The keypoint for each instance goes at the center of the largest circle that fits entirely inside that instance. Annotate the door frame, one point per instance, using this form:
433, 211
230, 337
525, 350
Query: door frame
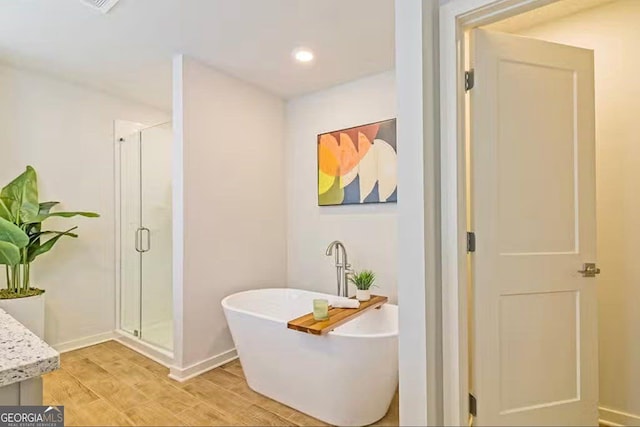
456, 18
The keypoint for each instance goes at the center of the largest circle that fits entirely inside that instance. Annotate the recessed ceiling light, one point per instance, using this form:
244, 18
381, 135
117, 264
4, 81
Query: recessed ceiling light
303, 55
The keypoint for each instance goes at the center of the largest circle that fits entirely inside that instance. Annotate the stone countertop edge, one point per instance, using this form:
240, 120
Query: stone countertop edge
22, 354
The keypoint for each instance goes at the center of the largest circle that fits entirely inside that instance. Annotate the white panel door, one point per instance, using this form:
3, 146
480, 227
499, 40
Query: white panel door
532, 166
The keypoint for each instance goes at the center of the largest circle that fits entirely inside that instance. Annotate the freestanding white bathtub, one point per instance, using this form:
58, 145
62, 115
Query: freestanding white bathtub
345, 378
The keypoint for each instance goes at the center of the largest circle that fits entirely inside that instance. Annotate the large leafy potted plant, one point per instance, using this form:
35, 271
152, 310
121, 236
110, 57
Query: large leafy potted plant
22, 240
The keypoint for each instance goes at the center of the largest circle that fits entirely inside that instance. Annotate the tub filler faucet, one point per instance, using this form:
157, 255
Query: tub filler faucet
343, 268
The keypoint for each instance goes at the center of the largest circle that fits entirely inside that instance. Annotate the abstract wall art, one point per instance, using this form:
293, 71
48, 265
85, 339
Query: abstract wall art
358, 165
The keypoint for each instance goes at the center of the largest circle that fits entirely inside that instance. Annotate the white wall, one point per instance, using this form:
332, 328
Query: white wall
66, 132
369, 232
419, 255
613, 32
233, 201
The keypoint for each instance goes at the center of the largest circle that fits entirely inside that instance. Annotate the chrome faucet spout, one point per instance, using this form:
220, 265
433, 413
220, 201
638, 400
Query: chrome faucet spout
331, 246
343, 268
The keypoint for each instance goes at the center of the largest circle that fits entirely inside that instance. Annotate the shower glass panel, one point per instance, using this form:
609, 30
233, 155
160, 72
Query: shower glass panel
156, 236
130, 262
146, 236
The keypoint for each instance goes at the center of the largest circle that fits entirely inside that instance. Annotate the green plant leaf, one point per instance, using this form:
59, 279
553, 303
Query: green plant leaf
35, 238
32, 229
38, 234
21, 211
36, 249
45, 207
43, 217
11, 233
363, 280
9, 254
4, 211
72, 214
20, 197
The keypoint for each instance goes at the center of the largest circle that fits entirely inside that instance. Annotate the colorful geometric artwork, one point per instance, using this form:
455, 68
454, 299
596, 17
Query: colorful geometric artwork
358, 165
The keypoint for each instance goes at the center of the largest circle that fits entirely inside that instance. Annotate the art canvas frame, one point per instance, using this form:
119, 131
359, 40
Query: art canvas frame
358, 165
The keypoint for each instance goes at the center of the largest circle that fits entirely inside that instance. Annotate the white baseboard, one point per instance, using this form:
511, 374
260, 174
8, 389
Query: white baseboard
184, 374
84, 342
161, 356
613, 418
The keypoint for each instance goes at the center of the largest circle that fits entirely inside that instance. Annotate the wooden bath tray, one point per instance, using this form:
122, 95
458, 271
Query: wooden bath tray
337, 317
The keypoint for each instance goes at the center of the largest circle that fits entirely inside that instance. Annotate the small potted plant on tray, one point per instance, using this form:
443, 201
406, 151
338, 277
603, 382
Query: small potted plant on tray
22, 240
363, 281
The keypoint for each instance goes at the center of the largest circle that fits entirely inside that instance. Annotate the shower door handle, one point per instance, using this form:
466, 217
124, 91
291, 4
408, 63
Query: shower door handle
148, 240
139, 240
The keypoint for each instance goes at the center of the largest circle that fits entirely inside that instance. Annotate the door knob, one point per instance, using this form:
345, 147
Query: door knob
589, 269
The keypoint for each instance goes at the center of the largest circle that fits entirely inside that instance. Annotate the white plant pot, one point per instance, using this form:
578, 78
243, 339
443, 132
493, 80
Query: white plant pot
29, 311
363, 295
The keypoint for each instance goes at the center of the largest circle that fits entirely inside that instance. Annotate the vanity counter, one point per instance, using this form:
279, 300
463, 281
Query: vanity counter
23, 355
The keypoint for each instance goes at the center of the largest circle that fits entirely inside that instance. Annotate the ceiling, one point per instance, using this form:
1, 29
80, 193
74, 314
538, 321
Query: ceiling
547, 13
128, 51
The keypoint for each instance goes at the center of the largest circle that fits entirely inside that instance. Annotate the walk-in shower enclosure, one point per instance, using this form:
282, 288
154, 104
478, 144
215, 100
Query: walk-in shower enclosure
143, 228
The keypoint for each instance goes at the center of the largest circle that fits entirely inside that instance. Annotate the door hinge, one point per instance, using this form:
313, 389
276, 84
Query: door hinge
471, 241
469, 80
473, 405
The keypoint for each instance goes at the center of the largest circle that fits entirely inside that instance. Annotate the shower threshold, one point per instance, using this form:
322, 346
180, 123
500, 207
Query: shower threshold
153, 352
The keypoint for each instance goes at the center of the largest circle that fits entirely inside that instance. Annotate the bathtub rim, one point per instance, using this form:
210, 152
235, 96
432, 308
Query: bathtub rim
226, 306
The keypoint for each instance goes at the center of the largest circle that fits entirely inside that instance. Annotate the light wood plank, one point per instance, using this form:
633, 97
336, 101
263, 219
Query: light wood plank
234, 367
220, 399
154, 367
109, 384
173, 398
256, 416
98, 413
85, 371
117, 393
300, 419
222, 378
277, 408
152, 414
128, 372
241, 388
104, 356
61, 388
82, 353
71, 417
204, 415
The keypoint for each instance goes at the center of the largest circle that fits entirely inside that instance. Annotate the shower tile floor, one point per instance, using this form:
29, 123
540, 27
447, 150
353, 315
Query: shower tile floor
110, 385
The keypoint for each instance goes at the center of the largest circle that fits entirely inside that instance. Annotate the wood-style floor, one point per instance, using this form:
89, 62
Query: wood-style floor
110, 385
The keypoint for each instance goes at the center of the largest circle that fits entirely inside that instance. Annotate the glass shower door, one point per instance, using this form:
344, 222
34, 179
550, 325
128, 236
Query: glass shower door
156, 236
146, 294
130, 256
